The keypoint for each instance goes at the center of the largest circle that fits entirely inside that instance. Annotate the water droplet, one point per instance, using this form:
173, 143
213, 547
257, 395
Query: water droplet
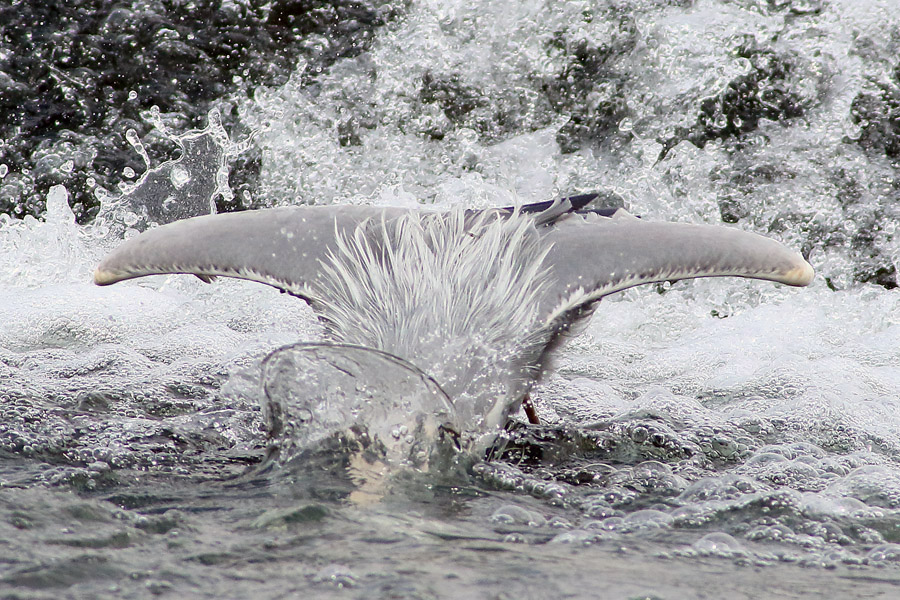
3, 170
132, 95
132, 137
128, 172
101, 194
179, 177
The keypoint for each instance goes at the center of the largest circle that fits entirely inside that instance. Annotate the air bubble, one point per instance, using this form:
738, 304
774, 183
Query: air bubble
130, 218
511, 514
718, 543
649, 519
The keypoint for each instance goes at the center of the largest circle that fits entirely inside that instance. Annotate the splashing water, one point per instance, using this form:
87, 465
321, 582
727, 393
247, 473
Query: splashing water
690, 425
384, 406
186, 186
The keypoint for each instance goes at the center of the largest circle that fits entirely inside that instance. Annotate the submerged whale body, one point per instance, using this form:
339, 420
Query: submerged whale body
476, 299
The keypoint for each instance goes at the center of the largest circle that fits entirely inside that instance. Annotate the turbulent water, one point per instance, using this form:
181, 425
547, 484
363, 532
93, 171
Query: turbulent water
704, 439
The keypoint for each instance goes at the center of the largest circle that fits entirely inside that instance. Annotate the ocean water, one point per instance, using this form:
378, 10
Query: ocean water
720, 438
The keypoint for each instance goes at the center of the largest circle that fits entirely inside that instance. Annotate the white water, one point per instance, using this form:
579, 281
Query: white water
774, 432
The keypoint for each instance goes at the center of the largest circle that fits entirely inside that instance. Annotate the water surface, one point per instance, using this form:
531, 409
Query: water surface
703, 439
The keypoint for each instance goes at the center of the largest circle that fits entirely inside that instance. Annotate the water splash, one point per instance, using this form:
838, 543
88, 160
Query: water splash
775, 427
183, 187
55, 249
353, 400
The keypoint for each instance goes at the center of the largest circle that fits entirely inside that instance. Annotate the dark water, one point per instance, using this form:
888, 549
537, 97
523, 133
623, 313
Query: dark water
712, 439
260, 539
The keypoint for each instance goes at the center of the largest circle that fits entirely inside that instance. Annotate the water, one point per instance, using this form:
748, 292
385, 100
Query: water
710, 437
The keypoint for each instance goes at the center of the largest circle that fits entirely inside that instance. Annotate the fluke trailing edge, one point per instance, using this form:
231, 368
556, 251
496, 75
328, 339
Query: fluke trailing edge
477, 299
